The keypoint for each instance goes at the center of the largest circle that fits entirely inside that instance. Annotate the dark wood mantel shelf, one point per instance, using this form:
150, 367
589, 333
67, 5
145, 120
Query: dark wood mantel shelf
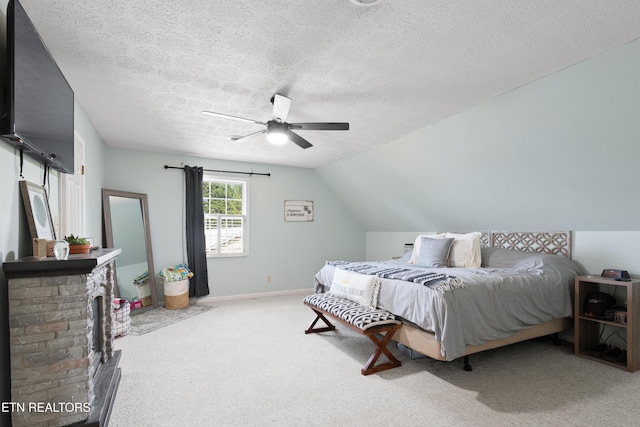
50, 266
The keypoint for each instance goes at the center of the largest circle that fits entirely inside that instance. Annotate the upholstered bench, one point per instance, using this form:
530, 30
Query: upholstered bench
366, 321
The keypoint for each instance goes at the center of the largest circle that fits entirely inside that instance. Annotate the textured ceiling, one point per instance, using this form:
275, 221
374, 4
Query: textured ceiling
143, 70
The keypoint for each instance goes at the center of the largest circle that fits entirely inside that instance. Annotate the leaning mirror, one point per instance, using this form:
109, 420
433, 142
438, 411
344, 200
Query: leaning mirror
126, 226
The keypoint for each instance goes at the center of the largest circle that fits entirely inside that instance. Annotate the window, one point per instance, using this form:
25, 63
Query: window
225, 216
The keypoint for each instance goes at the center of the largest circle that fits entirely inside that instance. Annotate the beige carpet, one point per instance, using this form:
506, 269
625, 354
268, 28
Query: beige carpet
249, 363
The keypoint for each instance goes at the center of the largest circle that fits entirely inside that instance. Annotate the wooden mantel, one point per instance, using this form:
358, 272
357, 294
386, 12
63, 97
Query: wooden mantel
50, 266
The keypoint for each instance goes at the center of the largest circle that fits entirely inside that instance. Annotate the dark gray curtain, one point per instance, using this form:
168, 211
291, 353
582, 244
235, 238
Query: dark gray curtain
196, 252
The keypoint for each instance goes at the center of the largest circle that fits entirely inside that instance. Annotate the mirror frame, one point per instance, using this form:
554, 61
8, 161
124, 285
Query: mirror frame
108, 239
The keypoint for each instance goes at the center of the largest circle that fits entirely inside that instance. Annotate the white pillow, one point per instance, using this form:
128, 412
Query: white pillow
361, 288
465, 251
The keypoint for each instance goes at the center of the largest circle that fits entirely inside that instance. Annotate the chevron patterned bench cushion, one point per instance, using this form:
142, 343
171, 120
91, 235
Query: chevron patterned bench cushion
351, 312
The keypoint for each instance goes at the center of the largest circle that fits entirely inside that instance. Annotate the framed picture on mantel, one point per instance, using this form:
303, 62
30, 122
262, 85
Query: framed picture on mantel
36, 207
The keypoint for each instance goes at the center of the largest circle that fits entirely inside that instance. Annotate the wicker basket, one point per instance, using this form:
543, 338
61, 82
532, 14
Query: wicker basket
121, 317
176, 294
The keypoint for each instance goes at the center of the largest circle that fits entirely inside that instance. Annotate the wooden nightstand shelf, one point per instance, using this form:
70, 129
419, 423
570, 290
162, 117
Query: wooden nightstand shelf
588, 329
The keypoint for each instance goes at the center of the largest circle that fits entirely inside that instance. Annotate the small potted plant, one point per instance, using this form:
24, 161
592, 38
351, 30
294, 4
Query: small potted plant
77, 245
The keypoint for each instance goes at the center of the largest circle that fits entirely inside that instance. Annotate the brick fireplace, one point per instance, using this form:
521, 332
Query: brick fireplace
64, 370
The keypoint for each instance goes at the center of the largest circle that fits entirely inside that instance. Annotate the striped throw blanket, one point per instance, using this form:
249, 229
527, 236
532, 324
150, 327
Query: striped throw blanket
436, 281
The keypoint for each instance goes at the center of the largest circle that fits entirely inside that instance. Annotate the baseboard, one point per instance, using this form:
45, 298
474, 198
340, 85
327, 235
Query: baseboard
257, 295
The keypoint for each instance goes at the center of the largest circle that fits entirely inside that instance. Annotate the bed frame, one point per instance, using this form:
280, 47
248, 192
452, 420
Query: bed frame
557, 243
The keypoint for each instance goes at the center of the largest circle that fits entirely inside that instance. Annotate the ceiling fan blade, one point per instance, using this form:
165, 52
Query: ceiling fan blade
236, 138
226, 116
281, 106
319, 126
298, 140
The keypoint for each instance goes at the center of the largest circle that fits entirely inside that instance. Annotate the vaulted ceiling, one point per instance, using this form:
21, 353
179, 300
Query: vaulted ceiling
143, 70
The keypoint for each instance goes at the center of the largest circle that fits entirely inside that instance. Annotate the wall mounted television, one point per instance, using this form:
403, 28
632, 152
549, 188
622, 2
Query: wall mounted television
37, 104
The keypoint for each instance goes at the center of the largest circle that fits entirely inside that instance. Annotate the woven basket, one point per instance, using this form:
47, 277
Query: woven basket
122, 319
176, 294
146, 300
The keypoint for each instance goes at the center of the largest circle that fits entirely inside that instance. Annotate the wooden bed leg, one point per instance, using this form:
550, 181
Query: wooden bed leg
319, 315
467, 366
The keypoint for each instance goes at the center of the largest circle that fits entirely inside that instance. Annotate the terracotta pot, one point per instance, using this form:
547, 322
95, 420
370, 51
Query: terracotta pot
79, 249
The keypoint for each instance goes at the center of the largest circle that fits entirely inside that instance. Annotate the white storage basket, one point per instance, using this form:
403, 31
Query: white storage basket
176, 294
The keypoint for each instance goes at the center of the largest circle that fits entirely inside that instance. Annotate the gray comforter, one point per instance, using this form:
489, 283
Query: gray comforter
512, 291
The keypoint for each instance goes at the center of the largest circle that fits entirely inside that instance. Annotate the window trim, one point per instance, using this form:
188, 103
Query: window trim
245, 215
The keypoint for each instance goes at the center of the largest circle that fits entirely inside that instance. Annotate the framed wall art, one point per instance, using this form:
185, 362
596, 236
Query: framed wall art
298, 210
36, 206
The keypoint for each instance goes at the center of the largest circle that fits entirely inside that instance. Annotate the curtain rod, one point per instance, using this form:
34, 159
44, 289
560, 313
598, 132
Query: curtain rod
213, 170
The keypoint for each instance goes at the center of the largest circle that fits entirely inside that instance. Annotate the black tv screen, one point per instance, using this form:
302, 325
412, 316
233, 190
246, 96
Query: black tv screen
37, 114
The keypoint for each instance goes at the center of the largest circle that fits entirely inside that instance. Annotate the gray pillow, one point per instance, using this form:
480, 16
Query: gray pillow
509, 258
433, 252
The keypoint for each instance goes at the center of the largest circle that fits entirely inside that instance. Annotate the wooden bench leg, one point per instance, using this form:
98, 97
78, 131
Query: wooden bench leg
385, 331
381, 347
319, 316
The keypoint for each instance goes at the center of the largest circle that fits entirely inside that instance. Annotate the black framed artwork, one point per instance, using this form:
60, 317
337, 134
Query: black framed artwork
36, 207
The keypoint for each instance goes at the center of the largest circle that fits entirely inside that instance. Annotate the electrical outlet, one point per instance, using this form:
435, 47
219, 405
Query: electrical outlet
269, 278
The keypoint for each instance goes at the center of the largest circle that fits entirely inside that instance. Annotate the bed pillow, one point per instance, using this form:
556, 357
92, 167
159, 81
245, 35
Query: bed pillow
465, 251
522, 260
361, 288
509, 258
433, 252
416, 246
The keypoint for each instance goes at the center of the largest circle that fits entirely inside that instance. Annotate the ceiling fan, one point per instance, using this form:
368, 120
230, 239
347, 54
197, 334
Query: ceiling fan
277, 129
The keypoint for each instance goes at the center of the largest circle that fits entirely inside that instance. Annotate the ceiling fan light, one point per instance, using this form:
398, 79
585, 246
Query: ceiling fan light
277, 133
277, 138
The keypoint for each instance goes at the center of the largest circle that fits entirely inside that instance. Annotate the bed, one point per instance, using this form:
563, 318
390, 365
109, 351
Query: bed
519, 288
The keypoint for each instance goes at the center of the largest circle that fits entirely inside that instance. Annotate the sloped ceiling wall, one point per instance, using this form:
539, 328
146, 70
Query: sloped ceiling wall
558, 153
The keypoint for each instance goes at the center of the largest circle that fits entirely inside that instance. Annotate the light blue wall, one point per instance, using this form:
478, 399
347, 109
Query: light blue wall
95, 153
289, 252
559, 153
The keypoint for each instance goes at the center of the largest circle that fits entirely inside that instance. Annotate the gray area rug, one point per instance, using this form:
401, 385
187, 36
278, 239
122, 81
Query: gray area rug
160, 317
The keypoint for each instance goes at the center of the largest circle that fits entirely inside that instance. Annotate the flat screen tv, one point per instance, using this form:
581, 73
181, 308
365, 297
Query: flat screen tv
37, 103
